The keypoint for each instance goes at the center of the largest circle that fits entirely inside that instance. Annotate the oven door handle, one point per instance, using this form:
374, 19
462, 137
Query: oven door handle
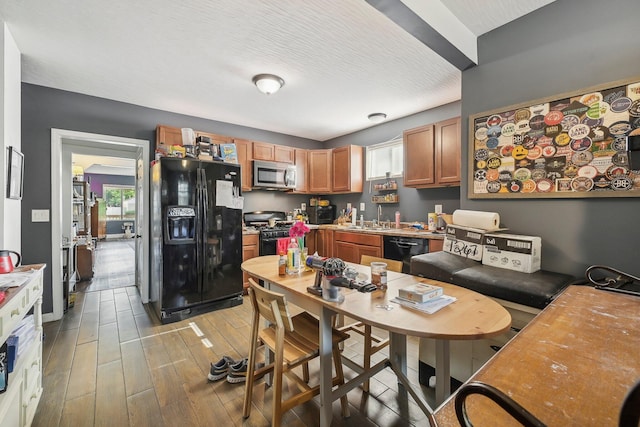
402, 244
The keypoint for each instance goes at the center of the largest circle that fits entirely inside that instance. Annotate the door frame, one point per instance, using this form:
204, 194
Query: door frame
63, 139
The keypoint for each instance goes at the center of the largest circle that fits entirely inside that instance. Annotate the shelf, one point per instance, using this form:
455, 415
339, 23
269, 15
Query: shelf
386, 186
385, 198
387, 203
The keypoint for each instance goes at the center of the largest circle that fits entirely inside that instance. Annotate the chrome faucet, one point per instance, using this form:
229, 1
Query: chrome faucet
379, 213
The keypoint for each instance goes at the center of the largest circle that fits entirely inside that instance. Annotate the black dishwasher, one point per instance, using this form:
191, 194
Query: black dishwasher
403, 248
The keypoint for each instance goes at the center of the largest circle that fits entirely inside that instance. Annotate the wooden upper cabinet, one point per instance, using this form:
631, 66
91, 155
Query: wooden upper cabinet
448, 154
302, 171
432, 155
166, 136
319, 162
284, 154
347, 167
243, 148
215, 138
263, 151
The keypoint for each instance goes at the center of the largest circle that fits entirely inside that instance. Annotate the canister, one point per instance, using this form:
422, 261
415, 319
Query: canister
379, 274
432, 221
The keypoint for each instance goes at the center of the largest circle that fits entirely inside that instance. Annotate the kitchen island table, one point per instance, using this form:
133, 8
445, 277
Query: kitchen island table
471, 316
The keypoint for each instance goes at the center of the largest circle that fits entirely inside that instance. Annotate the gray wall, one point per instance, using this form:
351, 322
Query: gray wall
45, 108
563, 47
414, 204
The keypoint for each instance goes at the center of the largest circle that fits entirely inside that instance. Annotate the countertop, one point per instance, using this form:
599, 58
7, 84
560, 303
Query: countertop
401, 232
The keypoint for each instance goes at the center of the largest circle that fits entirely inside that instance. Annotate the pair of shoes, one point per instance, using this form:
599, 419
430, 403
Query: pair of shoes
238, 372
220, 369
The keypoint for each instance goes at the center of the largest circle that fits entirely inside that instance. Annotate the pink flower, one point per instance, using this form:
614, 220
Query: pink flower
298, 229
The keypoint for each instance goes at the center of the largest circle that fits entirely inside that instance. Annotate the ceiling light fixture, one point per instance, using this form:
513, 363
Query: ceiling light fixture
377, 117
268, 83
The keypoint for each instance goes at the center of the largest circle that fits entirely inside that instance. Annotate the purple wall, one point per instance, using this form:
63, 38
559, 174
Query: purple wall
98, 180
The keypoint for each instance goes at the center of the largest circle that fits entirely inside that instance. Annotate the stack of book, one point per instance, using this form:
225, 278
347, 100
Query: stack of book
424, 297
20, 339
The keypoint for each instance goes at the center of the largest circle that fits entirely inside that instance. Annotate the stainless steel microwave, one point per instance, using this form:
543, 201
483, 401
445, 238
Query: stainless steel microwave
273, 175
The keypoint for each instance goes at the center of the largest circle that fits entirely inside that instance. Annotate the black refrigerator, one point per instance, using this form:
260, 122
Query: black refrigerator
196, 237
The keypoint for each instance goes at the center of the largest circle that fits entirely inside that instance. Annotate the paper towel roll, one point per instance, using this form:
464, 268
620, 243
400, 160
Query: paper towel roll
477, 219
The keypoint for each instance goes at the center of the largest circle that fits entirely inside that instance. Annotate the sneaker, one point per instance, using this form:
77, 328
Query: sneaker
220, 369
238, 371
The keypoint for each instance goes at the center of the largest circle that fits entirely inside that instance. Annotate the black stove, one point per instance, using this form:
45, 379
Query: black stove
269, 235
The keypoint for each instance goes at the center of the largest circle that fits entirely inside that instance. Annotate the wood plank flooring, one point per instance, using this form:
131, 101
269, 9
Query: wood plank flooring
109, 361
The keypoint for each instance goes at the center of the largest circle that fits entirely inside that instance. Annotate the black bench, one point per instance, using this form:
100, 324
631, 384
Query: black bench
530, 289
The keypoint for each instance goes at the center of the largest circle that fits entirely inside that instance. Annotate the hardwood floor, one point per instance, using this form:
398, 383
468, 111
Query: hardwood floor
109, 361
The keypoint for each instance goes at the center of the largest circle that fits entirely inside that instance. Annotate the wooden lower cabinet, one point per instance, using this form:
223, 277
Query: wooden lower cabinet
86, 258
436, 245
324, 242
250, 249
351, 246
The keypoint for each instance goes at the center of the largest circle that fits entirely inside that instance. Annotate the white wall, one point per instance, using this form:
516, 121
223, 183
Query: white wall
10, 135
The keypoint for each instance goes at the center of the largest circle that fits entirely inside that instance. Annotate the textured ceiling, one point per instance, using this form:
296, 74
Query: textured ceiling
341, 59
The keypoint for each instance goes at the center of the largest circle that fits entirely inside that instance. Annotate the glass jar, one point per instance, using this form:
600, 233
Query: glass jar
379, 275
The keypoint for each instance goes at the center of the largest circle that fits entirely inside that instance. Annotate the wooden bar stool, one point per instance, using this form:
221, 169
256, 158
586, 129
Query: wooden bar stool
294, 342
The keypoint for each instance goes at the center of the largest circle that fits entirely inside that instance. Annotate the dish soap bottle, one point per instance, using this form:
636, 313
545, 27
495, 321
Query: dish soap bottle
293, 257
282, 265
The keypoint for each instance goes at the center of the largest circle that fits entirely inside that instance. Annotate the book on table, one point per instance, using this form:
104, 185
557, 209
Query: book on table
420, 292
429, 306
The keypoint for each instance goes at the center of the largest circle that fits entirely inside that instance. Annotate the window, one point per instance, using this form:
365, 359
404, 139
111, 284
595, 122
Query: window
120, 201
383, 158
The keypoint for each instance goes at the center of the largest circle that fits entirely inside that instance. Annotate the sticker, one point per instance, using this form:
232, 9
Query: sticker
493, 186
622, 183
563, 184
588, 171
591, 98
494, 131
481, 134
544, 185
553, 118
570, 171
492, 143
480, 175
634, 110
575, 108
635, 123
582, 158
519, 152
579, 131
620, 159
598, 133
481, 154
582, 183
581, 144
518, 138
554, 175
494, 120
493, 175
522, 126
602, 146
552, 130
524, 163
536, 122
619, 143
601, 182
597, 110
534, 152
528, 186
592, 122
522, 174
616, 171
481, 164
562, 139
494, 163
506, 150
621, 104
508, 116
620, 128
538, 174
508, 129
524, 114
548, 151
528, 142
505, 176
569, 121
514, 186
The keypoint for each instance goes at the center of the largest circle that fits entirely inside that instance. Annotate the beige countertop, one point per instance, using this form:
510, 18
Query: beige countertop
401, 232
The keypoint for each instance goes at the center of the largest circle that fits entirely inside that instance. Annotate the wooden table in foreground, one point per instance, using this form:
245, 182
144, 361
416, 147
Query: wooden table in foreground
472, 316
571, 366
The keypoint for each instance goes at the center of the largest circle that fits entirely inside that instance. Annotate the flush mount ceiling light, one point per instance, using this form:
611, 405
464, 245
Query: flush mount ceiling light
377, 117
268, 83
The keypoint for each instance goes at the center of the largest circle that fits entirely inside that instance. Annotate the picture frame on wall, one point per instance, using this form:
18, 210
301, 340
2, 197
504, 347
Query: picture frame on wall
581, 144
15, 174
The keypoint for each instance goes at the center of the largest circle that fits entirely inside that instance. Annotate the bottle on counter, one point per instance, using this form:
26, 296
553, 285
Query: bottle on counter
397, 220
282, 264
293, 257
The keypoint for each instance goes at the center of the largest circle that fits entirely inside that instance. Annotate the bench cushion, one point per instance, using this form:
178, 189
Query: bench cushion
530, 289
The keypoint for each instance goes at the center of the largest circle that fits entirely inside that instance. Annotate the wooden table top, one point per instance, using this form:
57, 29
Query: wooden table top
571, 366
472, 316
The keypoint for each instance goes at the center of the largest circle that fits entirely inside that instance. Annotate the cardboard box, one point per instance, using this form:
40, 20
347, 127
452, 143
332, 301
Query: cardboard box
420, 292
512, 251
464, 241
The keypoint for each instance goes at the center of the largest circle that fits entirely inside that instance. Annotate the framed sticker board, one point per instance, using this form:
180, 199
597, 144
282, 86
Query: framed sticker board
585, 144
15, 174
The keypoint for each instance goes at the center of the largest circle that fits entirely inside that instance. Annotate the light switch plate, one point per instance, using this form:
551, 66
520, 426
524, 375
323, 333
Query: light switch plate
438, 209
39, 215
362, 206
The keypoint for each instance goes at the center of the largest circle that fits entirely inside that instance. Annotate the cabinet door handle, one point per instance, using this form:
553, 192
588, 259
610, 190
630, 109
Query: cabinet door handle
15, 312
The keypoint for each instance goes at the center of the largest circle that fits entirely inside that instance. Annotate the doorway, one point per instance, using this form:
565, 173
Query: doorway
65, 143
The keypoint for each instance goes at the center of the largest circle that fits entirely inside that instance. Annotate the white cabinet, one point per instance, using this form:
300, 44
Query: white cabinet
19, 402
